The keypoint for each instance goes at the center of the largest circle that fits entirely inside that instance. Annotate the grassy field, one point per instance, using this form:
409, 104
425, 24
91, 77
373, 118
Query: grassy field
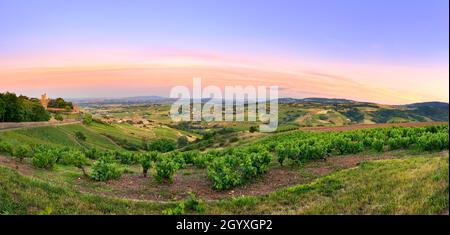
101, 136
412, 185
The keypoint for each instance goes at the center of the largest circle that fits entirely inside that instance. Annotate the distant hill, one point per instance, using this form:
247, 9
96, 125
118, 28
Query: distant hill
123, 100
314, 99
429, 104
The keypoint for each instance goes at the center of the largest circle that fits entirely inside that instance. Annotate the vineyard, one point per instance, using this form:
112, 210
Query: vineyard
231, 167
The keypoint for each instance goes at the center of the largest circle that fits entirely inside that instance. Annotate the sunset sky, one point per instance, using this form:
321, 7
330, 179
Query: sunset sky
385, 51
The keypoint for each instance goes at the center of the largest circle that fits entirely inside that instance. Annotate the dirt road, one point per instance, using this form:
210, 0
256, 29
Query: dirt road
6, 126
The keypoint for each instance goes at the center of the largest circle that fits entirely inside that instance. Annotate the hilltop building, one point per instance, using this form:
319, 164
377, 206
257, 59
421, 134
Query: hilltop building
45, 101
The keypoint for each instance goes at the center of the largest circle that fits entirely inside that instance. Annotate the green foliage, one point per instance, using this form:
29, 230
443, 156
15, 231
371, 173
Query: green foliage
146, 160
22, 151
87, 119
281, 154
59, 117
126, 157
378, 145
60, 103
103, 170
75, 158
21, 109
231, 167
194, 204
178, 210
92, 153
44, 158
433, 142
6, 148
162, 145
253, 129
165, 169
182, 141
80, 135
201, 160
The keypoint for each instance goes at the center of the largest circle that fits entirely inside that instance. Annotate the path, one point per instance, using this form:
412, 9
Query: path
6, 126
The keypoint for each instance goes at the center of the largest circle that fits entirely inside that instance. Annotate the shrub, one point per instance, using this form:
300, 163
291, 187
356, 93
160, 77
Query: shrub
253, 129
190, 156
22, 152
127, 158
6, 148
146, 160
182, 141
281, 154
44, 159
77, 159
162, 145
59, 117
178, 210
92, 153
194, 204
223, 173
80, 135
103, 170
201, 160
87, 119
378, 145
165, 169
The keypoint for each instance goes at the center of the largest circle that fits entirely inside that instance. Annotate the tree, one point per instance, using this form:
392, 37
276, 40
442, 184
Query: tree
87, 119
2, 108
21, 109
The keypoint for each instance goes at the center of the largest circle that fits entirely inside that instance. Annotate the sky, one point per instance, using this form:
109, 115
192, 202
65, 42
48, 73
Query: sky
384, 51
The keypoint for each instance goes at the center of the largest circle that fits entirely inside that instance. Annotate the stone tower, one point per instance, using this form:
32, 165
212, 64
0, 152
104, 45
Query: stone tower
44, 100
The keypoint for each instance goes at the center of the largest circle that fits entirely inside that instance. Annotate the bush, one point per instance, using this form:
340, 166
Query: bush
104, 170
253, 129
165, 169
223, 173
22, 152
44, 159
92, 153
281, 154
6, 148
201, 160
189, 156
146, 160
59, 117
178, 210
127, 158
87, 119
162, 145
194, 204
77, 159
378, 145
80, 135
182, 141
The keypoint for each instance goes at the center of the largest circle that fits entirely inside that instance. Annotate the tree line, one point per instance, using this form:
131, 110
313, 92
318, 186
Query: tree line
15, 108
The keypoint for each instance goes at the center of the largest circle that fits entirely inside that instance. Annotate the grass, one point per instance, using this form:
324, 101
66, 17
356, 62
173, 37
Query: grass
416, 185
410, 185
58, 136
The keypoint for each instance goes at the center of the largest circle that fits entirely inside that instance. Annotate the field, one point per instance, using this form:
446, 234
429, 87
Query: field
125, 165
351, 191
